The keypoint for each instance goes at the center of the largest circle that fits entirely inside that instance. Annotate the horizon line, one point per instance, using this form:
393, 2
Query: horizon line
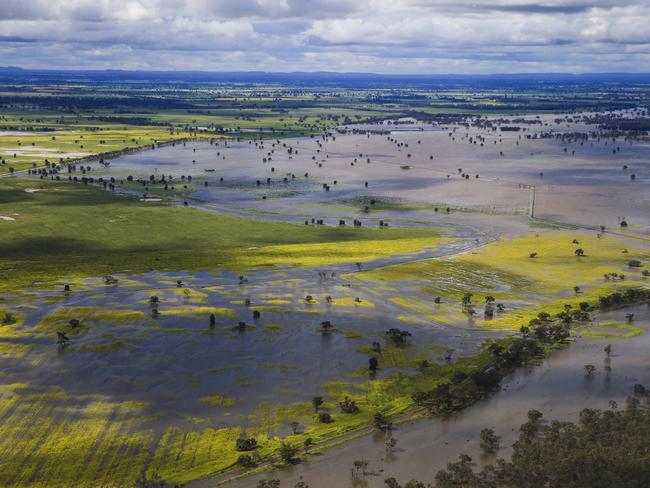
322, 72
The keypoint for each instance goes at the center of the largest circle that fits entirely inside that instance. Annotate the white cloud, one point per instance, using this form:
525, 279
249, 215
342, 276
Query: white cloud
345, 35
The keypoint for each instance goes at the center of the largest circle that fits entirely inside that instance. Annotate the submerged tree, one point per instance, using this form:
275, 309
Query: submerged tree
489, 441
316, 402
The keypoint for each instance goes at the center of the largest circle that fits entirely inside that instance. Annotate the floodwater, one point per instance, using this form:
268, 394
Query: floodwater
174, 359
413, 173
558, 388
579, 181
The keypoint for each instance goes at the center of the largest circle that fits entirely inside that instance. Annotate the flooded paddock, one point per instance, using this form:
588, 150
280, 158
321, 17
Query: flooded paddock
174, 358
557, 168
284, 334
558, 388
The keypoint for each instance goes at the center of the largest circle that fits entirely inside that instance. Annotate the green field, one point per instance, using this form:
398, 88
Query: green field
63, 227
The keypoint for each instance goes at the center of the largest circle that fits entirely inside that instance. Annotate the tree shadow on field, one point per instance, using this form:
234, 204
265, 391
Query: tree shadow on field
46, 246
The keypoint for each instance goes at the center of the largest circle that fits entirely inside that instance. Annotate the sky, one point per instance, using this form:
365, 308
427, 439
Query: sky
380, 36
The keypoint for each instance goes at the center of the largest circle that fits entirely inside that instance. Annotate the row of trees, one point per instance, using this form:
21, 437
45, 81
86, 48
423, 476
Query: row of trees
542, 334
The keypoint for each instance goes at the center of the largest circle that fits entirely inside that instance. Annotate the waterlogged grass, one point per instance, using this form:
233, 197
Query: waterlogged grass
74, 141
514, 318
10, 345
426, 309
44, 434
10, 320
43, 437
352, 302
119, 445
318, 254
610, 330
505, 271
132, 236
219, 401
555, 266
191, 294
101, 348
197, 312
85, 315
47, 443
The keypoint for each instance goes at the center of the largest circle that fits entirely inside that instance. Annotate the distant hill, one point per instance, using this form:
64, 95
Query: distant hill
320, 77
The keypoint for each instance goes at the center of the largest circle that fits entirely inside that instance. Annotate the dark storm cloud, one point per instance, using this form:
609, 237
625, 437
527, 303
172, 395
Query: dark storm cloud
343, 35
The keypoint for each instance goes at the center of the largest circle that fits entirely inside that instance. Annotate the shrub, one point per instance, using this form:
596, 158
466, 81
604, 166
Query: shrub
325, 418
349, 406
397, 336
246, 461
288, 452
8, 318
246, 444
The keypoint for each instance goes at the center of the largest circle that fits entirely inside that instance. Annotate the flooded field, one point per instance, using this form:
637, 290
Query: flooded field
174, 367
558, 388
557, 168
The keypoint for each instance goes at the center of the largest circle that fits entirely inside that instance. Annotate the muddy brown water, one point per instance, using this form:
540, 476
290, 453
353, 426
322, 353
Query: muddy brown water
558, 388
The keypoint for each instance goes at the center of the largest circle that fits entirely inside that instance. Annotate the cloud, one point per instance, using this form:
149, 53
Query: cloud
415, 36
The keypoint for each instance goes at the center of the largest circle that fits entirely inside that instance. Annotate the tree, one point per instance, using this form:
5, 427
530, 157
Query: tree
317, 401
272, 483
604, 449
414, 484
489, 441
397, 336
458, 474
392, 483
534, 415
359, 468
373, 363
381, 422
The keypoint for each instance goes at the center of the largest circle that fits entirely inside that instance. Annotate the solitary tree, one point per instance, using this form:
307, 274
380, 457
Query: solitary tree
317, 401
489, 441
